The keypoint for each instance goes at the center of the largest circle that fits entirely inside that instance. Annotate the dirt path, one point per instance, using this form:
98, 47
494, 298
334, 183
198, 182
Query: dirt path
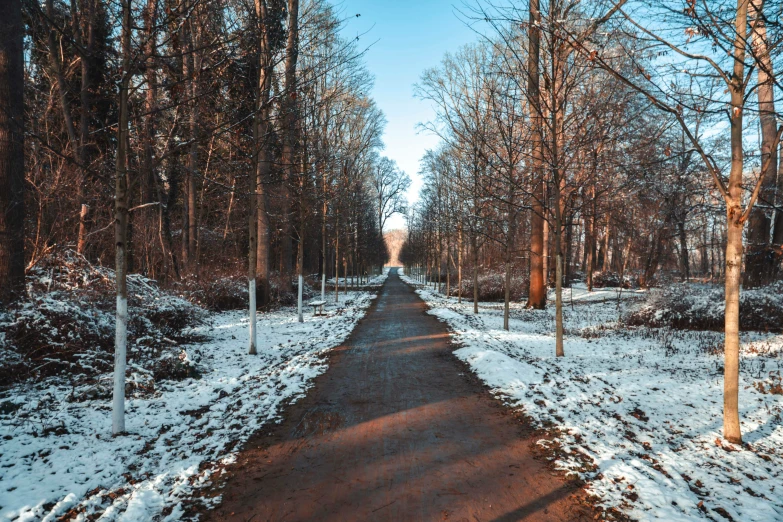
396, 430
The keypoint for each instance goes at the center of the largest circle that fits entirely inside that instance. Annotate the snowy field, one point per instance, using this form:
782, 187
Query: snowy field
58, 456
637, 411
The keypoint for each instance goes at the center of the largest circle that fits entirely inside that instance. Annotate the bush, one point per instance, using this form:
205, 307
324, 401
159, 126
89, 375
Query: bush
491, 287
66, 323
216, 293
698, 307
228, 291
610, 280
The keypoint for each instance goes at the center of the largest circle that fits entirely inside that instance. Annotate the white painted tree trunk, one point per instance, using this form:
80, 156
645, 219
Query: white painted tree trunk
299, 298
120, 352
323, 285
121, 233
251, 292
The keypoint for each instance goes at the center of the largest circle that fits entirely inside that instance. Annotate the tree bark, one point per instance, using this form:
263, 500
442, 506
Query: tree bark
474, 243
121, 229
590, 234
558, 184
734, 225
537, 292
685, 264
289, 139
88, 16
195, 66
761, 261
337, 259
263, 164
605, 257
459, 263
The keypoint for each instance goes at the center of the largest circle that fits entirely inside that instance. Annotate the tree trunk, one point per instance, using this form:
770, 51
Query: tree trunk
474, 242
195, 66
289, 117
545, 258
12, 181
325, 211
459, 263
734, 225
558, 185
337, 259
300, 274
300, 242
685, 264
263, 163
760, 260
121, 229
605, 257
88, 16
590, 234
252, 263
149, 174
537, 292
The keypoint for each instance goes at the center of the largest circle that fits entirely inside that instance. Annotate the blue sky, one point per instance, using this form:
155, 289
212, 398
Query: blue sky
410, 36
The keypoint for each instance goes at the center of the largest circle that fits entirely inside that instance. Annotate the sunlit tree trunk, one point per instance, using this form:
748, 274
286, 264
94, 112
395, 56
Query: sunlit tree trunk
734, 224
537, 293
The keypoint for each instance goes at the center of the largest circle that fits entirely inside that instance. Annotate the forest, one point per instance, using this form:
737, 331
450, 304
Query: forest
199, 236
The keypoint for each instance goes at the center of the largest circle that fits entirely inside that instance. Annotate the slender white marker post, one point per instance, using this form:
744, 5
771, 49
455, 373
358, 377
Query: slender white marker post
299, 298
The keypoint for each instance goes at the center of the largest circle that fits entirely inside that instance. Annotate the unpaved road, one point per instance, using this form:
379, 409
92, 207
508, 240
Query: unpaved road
396, 429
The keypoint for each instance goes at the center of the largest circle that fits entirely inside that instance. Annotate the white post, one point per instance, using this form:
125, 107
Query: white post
120, 350
252, 308
299, 298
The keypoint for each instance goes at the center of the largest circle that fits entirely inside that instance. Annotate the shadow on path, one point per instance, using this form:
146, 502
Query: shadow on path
396, 429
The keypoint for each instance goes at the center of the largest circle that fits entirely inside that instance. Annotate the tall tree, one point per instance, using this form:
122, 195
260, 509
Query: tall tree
762, 261
289, 108
389, 184
537, 294
727, 59
121, 225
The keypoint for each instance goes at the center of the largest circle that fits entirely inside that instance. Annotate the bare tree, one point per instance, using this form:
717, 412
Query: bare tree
390, 185
726, 58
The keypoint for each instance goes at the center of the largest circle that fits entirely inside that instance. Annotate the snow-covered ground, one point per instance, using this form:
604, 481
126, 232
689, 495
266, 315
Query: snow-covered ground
58, 455
354, 280
637, 411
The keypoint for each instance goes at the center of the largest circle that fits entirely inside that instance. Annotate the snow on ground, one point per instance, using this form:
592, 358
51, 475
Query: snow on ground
58, 454
638, 411
353, 281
